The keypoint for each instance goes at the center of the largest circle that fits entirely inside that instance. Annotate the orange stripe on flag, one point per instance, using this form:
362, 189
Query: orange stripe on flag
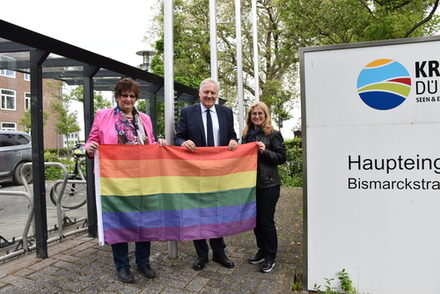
168, 167
146, 152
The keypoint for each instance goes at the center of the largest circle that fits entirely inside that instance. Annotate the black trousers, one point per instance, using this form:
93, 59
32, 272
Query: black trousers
265, 230
120, 254
217, 245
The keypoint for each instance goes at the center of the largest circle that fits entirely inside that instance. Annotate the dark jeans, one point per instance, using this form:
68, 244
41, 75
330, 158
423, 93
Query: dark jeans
217, 245
265, 230
120, 254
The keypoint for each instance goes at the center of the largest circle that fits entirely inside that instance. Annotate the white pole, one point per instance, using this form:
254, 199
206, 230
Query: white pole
255, 41
239, 67
169, 89
213, 38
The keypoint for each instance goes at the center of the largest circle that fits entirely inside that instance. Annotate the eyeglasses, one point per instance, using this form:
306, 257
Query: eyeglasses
257, 113
126, 96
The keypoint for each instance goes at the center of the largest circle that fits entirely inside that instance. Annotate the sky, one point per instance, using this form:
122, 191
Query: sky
111, 28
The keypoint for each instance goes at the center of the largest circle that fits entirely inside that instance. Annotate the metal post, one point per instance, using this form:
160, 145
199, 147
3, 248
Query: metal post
153, 107
169, 89
153, 112
37, 58
213, 38
255, 42
176, 108
88, 105
239, 66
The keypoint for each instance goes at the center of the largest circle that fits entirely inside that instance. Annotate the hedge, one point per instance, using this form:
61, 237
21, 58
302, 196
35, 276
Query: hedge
291, 171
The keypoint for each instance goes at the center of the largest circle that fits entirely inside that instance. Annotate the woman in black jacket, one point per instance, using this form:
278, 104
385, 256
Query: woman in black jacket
272, 153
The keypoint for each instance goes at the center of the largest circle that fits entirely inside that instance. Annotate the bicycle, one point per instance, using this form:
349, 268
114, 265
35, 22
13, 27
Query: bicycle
75, 191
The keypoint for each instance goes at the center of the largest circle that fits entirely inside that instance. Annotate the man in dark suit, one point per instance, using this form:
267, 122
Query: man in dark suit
207, 124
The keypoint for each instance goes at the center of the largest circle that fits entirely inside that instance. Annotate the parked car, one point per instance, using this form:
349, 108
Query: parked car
15, 151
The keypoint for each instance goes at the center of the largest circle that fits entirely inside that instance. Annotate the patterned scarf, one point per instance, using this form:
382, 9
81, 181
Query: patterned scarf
129, 132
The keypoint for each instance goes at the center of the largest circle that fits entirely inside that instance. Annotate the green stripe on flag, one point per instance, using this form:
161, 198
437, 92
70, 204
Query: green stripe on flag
177, 201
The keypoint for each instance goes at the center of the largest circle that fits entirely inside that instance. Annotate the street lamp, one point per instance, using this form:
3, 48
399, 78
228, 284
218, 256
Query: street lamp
145, 58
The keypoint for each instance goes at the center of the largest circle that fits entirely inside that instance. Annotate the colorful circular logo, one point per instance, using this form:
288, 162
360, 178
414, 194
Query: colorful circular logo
384, 84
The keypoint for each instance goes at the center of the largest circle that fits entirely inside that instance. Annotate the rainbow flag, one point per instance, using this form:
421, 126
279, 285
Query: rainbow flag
153, 193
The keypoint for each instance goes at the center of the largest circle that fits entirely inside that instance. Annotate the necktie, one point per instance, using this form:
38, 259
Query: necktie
209, 131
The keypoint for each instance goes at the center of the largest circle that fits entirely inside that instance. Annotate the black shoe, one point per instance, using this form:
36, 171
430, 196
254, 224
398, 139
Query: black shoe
258, 258
199, 264
224, 261
147, 271
125, 275
267, 266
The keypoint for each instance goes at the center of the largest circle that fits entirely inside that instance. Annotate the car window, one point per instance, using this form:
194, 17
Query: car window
20, 140
6, 140
12, 139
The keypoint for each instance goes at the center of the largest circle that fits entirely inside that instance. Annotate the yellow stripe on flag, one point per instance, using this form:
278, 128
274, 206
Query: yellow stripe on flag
176, 184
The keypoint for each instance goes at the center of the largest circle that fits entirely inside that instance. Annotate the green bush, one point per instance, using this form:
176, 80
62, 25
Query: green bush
291, 171
54, 172
61, 152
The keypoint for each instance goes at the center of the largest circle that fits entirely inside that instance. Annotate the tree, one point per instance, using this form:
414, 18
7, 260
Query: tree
284, 27
25, 120
278, 99
99, 102
192, 55
191, 43
322, 22
67, 122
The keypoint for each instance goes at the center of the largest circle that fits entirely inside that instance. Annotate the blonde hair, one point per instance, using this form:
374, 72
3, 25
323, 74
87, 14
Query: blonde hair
266, 127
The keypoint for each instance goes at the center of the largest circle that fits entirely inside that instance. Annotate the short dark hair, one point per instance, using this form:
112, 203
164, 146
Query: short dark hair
127, 85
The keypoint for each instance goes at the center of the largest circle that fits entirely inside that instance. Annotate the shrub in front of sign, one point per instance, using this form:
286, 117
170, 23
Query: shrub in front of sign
291, 171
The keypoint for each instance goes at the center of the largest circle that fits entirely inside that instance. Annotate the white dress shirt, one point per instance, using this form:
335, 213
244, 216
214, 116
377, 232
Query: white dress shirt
215, 125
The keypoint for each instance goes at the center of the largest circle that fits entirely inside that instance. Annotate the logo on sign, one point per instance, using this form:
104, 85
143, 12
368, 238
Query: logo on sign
384, 84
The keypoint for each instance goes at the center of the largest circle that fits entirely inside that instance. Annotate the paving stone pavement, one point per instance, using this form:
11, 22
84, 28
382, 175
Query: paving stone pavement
79, 265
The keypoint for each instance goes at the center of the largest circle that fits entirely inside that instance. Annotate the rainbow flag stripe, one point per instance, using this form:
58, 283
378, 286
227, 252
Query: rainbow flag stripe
153, 193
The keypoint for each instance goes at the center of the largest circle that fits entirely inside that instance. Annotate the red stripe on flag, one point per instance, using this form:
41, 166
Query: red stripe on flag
132, 152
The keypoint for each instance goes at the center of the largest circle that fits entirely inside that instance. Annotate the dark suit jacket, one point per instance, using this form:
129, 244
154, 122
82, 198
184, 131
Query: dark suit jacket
191, 126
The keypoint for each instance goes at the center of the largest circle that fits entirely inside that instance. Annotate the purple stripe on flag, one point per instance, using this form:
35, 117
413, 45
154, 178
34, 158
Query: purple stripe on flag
178, 218
208, 231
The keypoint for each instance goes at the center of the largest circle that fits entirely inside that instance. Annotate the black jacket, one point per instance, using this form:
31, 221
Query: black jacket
190, 126
268, 161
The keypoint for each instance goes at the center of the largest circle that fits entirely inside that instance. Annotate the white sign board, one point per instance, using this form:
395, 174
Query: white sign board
371, 125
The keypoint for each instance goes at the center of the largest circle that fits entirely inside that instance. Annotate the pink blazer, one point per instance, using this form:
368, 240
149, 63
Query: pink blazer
103, 129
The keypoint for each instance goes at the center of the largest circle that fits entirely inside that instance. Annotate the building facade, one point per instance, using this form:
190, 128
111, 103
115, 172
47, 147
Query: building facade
15, 99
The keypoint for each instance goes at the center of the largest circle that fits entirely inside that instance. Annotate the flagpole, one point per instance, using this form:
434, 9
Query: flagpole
255, 43
169, 89
239, 66
213, 38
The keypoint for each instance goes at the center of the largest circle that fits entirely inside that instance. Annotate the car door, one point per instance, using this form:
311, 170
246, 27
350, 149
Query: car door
8, 154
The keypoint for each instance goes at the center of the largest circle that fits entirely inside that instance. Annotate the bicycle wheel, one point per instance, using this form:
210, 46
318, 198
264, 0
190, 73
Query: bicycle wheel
75, 194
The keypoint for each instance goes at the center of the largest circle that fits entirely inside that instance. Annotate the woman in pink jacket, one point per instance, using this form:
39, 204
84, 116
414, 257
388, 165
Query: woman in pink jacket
124, 125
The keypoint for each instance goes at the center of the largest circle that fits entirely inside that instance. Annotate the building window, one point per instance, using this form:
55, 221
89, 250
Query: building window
27, 100
7, 99
7, 73
27, 77
8, 126
70, 139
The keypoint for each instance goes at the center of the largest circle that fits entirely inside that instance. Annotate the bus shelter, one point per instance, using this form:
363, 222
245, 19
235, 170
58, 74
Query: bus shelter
40, 57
